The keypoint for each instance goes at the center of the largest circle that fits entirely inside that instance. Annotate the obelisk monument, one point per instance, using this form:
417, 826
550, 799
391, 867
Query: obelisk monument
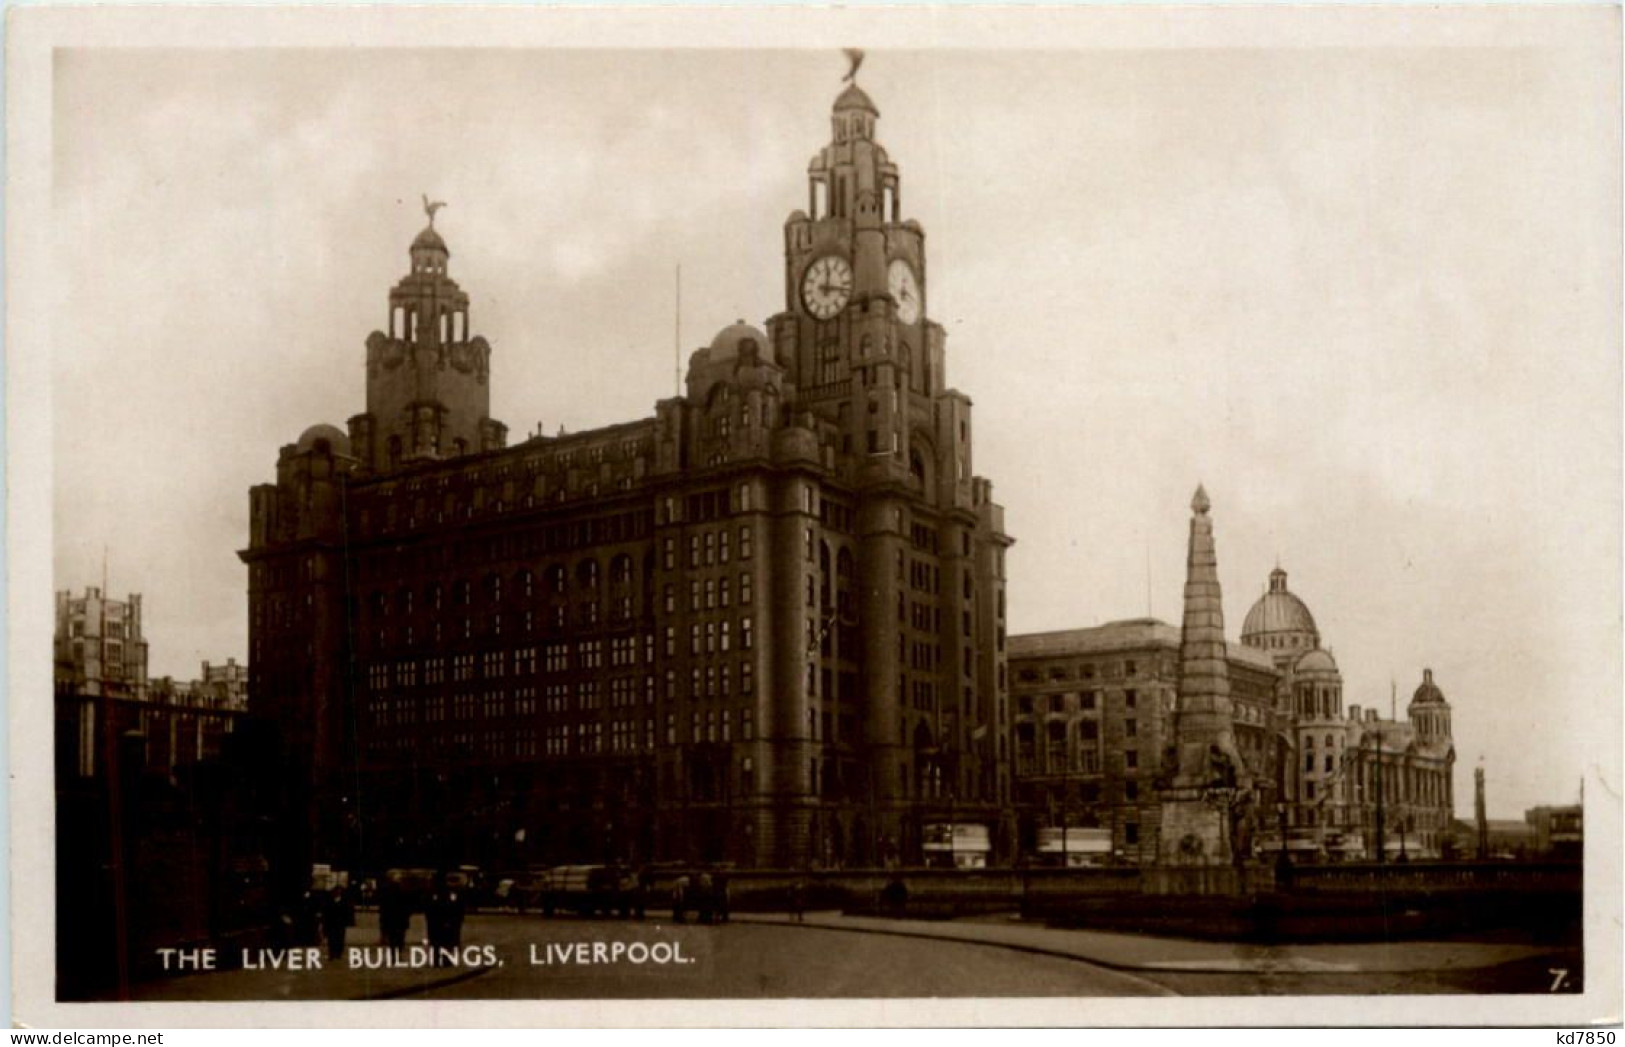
1208, 776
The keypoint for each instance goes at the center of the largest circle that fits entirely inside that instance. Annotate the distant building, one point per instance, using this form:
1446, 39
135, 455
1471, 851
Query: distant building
1559, 831
223, 686
99, 643
104, 697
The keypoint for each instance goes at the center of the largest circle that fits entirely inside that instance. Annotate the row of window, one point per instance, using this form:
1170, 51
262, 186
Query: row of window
1109, 670
710, 594
1086, 701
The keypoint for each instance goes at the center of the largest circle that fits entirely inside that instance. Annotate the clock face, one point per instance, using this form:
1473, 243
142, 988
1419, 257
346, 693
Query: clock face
905, 290
827, 286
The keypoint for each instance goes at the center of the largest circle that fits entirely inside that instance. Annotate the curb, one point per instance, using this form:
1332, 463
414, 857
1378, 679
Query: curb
1236, 965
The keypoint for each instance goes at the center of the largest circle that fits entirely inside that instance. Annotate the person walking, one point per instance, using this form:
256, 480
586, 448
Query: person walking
445, 919
337, 916
798, 900
394, 914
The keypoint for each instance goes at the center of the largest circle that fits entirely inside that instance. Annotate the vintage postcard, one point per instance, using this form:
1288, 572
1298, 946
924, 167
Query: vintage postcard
1105, 516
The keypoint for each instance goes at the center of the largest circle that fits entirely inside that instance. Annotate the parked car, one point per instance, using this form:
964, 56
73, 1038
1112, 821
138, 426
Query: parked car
591, 890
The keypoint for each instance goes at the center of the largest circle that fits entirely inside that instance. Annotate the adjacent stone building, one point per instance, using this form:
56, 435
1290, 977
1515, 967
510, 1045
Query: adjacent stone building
765, 624
1096, 710
1093, 712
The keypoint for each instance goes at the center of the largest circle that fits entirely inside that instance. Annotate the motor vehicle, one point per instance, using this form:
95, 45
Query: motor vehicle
528, 889
592, 890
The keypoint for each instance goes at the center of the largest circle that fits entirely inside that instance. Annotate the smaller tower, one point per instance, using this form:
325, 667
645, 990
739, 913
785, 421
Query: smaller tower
1480, 814
1429, 713
428, 376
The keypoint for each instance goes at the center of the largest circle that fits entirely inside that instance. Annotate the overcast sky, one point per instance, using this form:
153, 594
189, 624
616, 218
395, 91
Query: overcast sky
1368, 296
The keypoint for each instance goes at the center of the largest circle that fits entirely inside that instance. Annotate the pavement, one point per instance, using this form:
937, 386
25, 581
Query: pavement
1182, 955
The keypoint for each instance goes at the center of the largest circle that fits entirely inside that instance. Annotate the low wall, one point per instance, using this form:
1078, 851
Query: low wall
1435, 877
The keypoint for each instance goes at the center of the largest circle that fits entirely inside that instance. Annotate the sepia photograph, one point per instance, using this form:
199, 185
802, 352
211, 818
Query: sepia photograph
1093, 517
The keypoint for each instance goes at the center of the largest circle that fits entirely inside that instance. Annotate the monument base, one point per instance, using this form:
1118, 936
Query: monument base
1192, 831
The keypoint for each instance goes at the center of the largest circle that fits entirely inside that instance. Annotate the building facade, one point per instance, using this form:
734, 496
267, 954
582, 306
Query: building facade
1093, 715
764, 625
99, 643
105, 702
1096, 709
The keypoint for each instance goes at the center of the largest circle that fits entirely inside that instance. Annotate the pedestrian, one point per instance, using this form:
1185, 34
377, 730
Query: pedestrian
679, 898
798, 900
336, 919
307, 918
445, 919
394, 914
895, 897
724, 903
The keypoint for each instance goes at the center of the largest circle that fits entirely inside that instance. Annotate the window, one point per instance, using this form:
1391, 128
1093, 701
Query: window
745, 633
745, 542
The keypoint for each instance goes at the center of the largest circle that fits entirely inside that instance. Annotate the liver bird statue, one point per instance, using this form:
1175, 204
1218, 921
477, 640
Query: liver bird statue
855, 56
430, 208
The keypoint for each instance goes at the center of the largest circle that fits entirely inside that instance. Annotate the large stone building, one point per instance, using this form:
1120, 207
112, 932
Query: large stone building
765, 624
1096, 708
1093, 712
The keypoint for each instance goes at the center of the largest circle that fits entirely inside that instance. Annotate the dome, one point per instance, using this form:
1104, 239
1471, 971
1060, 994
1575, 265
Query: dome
1428, 693
335, 439
1316, 661
730, 341
1278, 611
429, 239
854, 98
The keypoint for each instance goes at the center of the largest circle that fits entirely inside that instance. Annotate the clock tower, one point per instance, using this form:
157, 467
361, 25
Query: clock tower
855, 329
921, 640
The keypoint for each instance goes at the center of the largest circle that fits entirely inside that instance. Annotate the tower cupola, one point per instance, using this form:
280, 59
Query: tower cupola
854, 115
428, 395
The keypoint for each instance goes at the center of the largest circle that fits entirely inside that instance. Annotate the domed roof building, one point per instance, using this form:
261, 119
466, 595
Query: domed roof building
730, 342
1429, 712
854, 97
1280, 623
